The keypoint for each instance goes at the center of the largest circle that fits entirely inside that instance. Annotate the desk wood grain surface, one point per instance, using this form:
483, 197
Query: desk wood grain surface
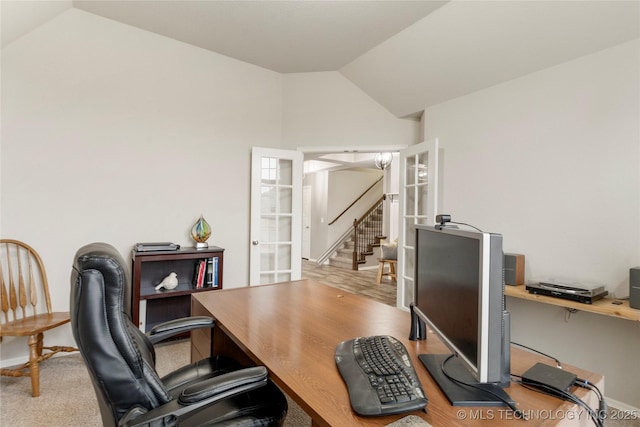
293, 329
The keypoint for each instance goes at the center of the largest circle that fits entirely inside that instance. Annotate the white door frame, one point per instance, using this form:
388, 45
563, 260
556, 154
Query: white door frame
306, 221
276, 216
352, 149
413, 190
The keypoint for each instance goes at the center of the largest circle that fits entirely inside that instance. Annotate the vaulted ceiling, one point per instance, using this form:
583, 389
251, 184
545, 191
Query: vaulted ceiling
407, 55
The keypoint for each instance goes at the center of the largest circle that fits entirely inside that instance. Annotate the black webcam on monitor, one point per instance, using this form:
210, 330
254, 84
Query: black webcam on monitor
442, 219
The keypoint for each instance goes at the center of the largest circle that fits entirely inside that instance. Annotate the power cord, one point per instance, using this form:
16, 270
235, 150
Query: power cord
444, 219
602, 404
464, 223
558, 364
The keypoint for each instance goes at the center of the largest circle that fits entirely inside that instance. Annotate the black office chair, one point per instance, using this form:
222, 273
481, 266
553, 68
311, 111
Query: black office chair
121, 360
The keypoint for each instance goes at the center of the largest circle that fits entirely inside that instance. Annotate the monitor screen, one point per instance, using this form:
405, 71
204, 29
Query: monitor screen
459, 294
448, 290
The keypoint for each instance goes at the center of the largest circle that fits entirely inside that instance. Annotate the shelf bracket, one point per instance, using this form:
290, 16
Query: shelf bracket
569, 312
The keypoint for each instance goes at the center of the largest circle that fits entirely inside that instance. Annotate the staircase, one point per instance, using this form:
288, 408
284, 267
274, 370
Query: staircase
365, 235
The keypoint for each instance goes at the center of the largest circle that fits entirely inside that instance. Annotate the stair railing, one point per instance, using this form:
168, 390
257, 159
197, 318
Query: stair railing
367, 232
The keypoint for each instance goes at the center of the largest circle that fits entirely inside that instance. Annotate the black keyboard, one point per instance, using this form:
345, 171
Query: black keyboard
379, 375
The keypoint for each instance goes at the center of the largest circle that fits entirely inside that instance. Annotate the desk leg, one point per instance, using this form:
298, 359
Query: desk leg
222, 345
200, 338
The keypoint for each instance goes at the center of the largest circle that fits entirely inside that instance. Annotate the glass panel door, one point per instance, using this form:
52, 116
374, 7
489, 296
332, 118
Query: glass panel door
418, 205
276, 216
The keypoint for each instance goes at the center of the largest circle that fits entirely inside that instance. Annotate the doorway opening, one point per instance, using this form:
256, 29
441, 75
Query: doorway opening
341, 187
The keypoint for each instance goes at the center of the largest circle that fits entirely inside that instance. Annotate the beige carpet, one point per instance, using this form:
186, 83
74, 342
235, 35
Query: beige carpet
67, 397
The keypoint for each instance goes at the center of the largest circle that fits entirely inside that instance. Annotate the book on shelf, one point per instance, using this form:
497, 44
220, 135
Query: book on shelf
212, 273
216, 274
199, 275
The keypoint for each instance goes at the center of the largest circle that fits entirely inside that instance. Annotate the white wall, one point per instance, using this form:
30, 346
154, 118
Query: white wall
551, 161
114, 134
344, 187
318, 181
327, 110
392, 203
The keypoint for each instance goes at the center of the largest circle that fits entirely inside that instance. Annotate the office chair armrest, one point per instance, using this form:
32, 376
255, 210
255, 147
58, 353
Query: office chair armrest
174, 327
248, 377
201, 394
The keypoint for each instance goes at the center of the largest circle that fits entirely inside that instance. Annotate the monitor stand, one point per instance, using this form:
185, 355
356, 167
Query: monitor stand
459, 394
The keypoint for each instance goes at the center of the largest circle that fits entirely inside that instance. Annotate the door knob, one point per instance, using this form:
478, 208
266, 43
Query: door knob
255, 243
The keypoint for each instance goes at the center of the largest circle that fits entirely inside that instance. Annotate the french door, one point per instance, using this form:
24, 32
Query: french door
418, 205
276, 216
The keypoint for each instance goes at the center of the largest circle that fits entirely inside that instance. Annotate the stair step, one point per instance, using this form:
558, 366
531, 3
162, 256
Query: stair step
343, 257
345, 253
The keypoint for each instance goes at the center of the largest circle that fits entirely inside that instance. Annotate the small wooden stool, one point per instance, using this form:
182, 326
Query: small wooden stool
392, 269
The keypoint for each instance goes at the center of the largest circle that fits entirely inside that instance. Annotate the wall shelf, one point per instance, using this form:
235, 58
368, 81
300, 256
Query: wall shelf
604, 306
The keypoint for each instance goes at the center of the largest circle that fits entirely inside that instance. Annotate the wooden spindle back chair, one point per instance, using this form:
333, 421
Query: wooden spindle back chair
26, 307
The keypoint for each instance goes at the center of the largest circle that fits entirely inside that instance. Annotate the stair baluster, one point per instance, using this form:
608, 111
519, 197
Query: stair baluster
367, 232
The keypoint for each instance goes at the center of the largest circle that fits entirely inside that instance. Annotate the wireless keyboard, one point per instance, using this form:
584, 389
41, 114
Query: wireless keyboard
379, 376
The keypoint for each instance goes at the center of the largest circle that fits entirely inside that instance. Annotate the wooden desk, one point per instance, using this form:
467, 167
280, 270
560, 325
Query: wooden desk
293, 329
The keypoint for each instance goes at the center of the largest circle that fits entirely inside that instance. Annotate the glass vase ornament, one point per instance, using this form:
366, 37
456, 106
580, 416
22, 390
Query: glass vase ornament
200, 232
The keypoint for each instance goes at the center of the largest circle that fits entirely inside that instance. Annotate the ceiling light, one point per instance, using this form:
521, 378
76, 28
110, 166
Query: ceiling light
382, 160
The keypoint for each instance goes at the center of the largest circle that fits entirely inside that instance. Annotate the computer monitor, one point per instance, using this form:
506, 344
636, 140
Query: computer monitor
459, 293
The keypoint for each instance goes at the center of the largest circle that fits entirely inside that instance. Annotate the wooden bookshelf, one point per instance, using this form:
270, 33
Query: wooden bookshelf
150, 306
604, 306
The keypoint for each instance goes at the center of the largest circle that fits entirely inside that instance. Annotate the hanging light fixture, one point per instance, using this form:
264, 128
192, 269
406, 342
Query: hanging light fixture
382, 160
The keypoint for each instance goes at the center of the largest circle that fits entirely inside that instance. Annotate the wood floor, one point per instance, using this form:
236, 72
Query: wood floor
361, 282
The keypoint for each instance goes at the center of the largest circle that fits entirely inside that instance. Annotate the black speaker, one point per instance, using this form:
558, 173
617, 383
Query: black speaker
514, 269
634, 287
